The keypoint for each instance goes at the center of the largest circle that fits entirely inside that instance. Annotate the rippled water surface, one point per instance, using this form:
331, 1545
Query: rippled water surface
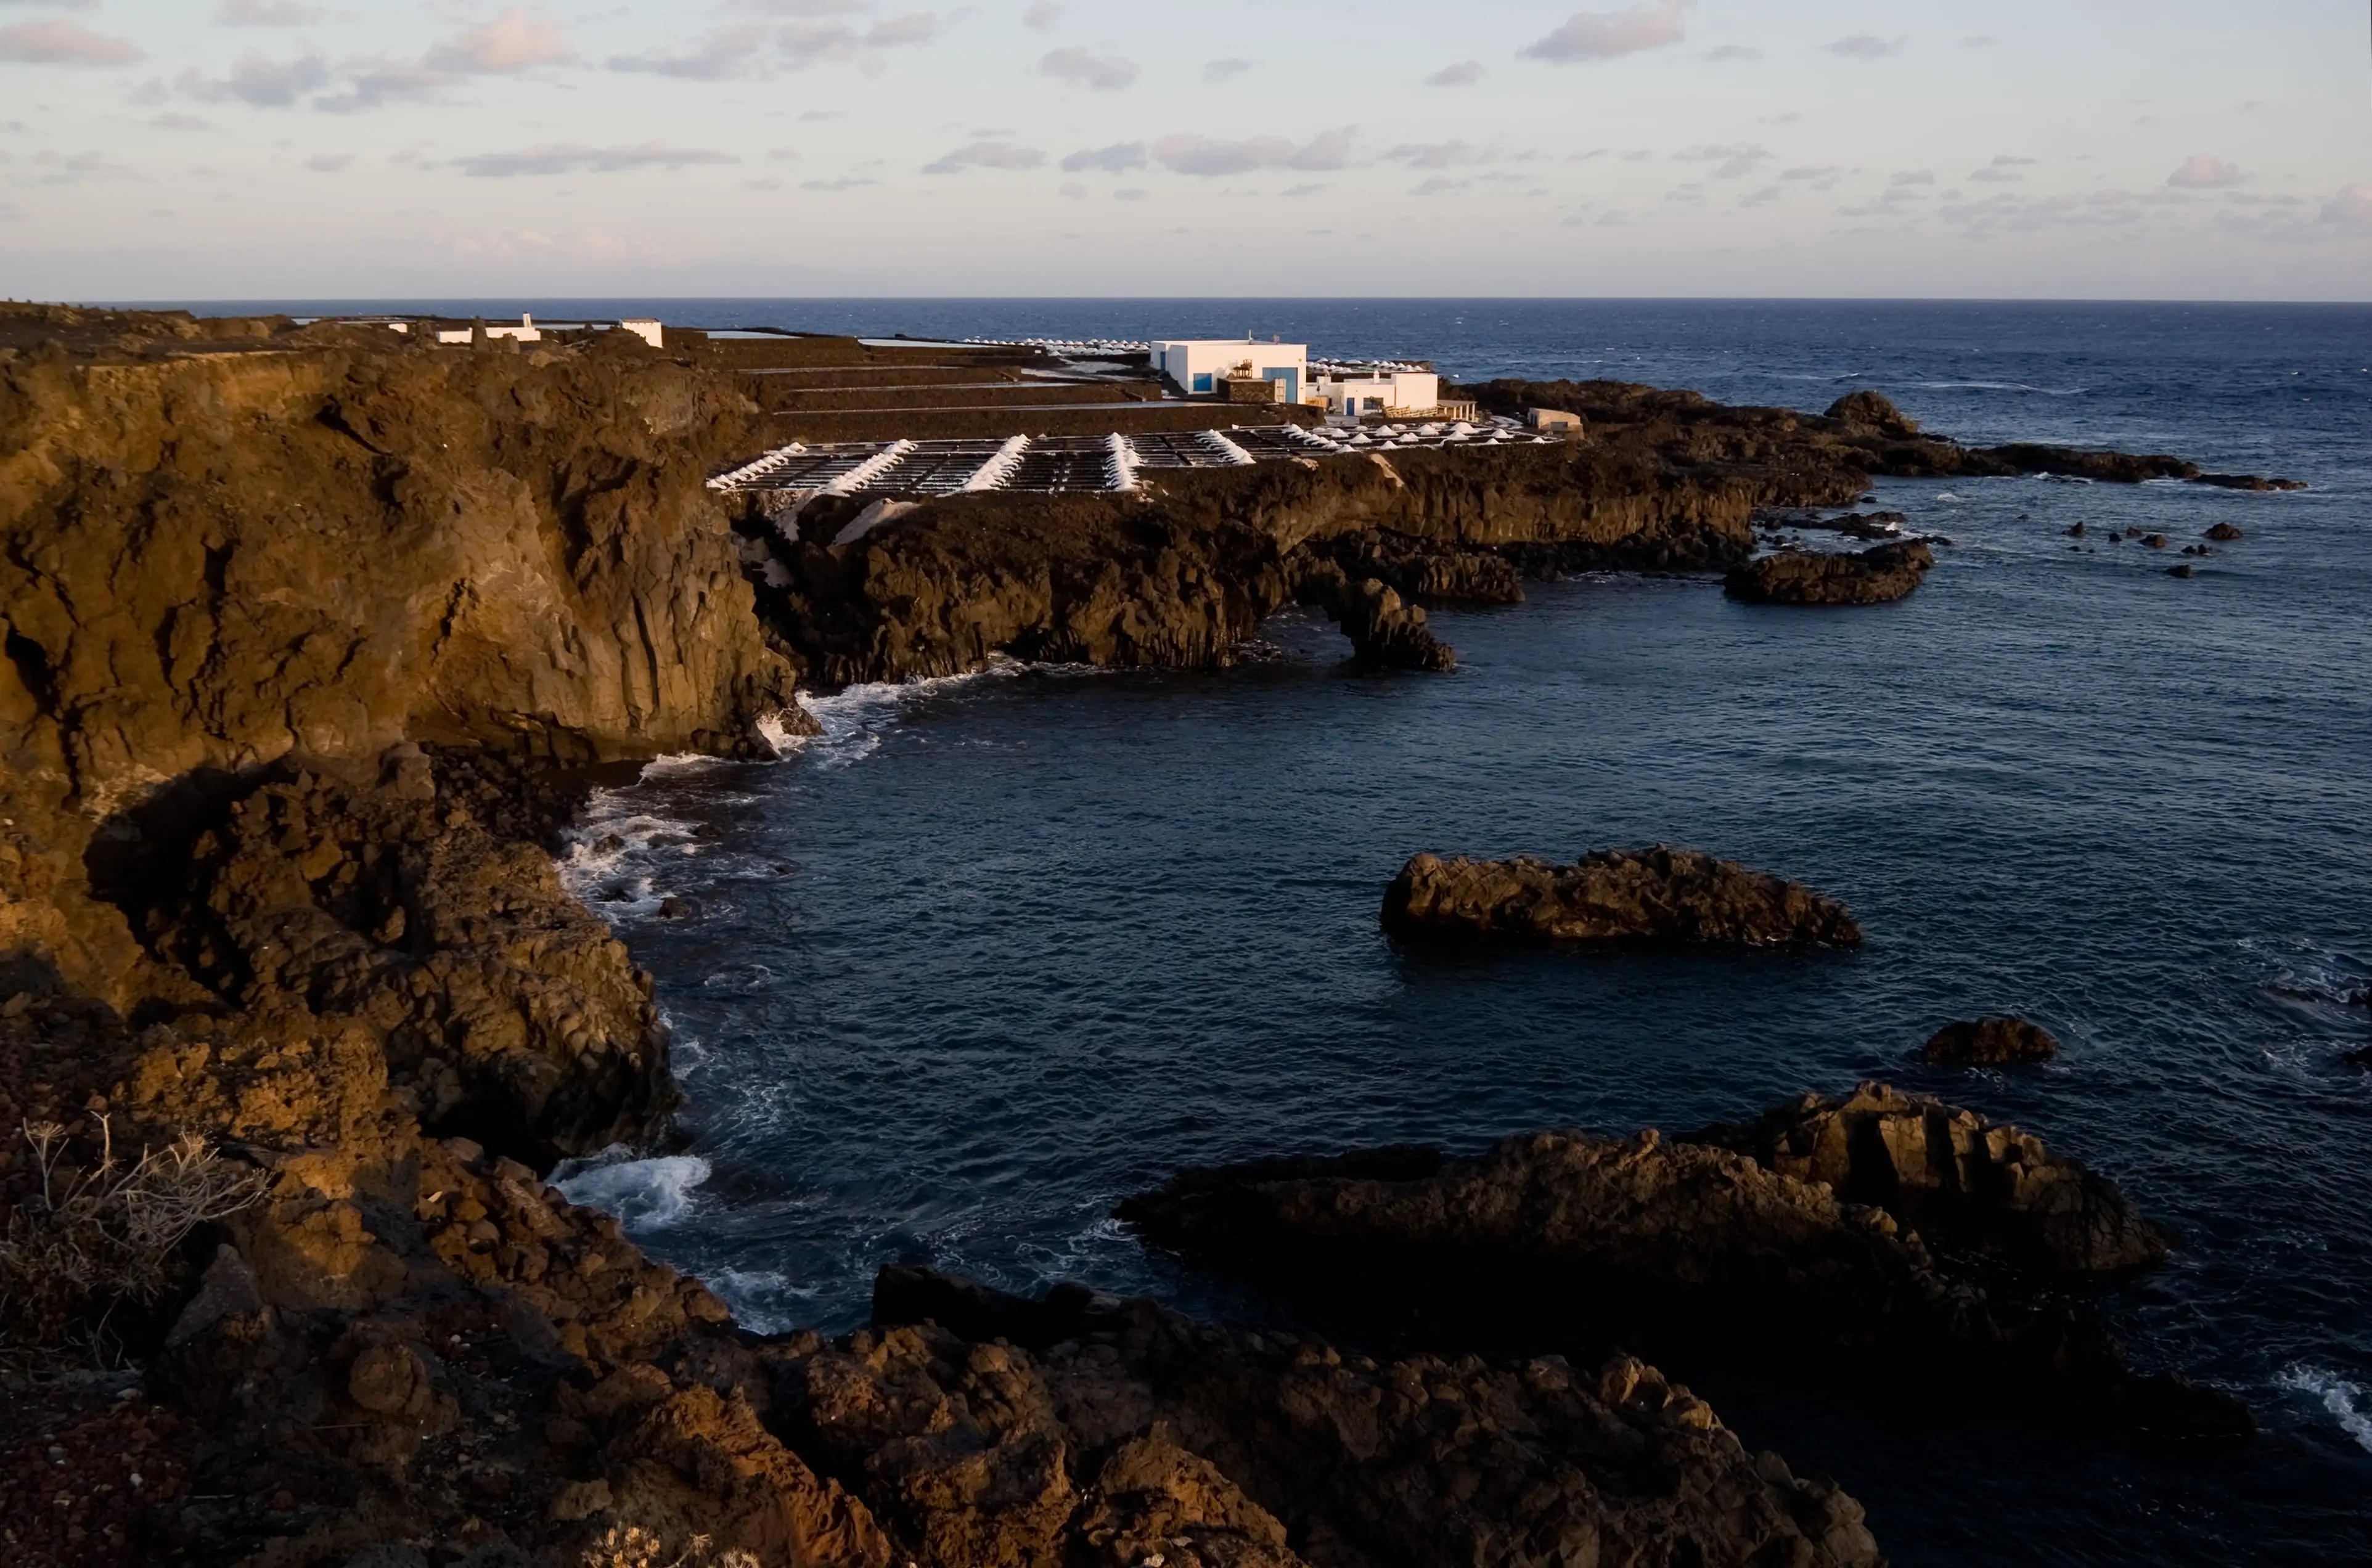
995, 952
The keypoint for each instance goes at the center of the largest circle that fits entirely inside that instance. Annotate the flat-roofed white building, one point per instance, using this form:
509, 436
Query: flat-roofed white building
1198, 364
643, 328
1380, 390
526, 331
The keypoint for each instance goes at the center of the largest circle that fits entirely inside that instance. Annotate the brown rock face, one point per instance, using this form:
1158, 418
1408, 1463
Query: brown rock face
1988, 1042
1659, 894
1599, 1235
1960, 1180
1877, 575
1096, 1428
327, 547
2225, 533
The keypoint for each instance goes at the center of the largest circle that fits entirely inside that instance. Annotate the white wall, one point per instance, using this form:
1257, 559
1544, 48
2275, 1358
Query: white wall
1184, 359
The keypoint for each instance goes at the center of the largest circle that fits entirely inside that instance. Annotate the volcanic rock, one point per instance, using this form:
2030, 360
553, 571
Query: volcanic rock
2185, 570
1873, 412
2247, 482
1962, 1181
1565, 1235
1110, 1426
1988, 1042
1659, 894
1870, 576
2224, 533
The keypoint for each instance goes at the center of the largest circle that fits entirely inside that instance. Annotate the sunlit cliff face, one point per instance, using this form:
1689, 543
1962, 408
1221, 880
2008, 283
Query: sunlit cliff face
155, 148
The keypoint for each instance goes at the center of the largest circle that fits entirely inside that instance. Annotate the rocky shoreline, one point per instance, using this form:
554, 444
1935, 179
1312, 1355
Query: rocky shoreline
306, 632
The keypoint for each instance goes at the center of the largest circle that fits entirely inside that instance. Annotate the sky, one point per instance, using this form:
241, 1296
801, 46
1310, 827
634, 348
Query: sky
249, 149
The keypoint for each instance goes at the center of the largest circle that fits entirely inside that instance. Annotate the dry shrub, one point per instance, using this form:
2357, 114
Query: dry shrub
631, 1546
98, 1237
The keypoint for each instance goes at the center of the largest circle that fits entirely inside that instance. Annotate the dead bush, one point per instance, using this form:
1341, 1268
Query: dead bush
631, 1546
99, 1238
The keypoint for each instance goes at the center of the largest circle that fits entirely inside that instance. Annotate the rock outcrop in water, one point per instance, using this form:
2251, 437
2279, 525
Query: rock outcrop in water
1570, 1239
1960, 1181
1990, 1041
1659, 894
1878, 575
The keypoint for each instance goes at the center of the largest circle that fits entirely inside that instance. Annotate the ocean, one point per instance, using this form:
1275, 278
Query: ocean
995, 951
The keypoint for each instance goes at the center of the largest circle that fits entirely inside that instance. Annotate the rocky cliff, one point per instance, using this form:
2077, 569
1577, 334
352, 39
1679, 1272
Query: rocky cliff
319, 545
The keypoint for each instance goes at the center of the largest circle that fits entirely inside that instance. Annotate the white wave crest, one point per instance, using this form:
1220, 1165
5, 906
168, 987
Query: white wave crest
761, 1300
2342, 1399
855, 718
642, 1195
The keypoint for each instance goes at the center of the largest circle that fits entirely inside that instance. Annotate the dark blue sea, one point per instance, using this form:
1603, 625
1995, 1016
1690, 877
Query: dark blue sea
995, 952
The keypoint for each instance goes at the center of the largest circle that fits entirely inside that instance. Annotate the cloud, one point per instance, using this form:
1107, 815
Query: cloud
1226, 70
813, 41
1736, 159
266, 14
985, 155
514, 41
2204, 171
1295, 192
1044, 14
1435, 154
1912, 177
2350, 209
575, 158
260, 82
728, 53
56, 42
1725, 51
1866, 46
1602, 35
845, 183
1210, 155
181, 122
1463, 74
1118, 158
1105, 72
1439, 184
76, 169
2003, 170
328, 163
1821, 178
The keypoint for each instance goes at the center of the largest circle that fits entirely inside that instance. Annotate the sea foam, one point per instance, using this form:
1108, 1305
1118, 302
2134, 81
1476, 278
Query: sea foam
642, 1195
2342, 1399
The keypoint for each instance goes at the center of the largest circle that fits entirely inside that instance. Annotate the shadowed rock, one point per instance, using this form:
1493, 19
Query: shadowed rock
1110, 1426
1870, 576
1988, 1042
1661, 894
1565, 1234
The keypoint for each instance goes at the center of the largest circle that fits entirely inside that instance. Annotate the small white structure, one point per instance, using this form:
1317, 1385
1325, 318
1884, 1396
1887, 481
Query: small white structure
1378, 392
525, 332
645, 328
1197, 366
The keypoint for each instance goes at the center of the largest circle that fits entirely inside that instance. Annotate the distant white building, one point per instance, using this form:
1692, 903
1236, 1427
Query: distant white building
644, 328
525, 332
1378, 390
1198, 364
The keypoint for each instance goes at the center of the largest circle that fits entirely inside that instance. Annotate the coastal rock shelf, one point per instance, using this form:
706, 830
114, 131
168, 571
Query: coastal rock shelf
1566, 1240
1659, 894
1798, 577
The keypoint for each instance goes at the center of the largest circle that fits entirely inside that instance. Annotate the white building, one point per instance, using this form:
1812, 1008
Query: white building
1378, 389
525, 332
1199, 365
643, 328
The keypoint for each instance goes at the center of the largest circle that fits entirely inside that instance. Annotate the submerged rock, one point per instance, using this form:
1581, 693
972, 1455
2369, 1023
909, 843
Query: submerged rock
2224, 533
2247, 482
1662, 894
1868, 577
1988, 1042
1962, 1181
